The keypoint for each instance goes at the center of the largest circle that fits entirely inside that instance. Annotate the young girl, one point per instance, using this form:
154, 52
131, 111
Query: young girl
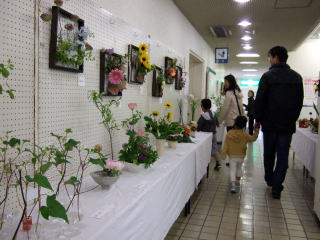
235, 146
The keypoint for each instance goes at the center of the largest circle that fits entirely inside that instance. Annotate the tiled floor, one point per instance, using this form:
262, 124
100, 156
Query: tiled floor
252, 213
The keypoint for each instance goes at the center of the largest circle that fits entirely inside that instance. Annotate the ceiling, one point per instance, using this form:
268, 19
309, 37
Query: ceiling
275, 22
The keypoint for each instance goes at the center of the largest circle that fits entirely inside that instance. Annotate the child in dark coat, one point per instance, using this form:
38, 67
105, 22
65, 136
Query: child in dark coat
208, 122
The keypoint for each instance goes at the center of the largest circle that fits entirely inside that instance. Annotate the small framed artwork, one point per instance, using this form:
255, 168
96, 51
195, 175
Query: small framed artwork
112, 73
170, 70
64, 53
179, 82
134, 76
158, 82
221, 55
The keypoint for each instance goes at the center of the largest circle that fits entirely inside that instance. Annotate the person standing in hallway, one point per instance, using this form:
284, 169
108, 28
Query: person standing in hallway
232, 105
249, 109
277, 107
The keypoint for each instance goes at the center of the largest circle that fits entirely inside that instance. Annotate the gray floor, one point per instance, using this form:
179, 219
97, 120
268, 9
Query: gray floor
252, 213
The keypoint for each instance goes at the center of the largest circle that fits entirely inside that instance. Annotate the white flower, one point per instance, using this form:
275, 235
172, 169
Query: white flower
191, 96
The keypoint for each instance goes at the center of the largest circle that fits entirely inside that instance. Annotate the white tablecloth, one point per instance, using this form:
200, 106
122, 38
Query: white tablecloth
143, 206
304, 144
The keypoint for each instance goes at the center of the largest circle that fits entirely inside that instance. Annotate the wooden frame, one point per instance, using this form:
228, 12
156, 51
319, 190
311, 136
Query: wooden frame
133, 66
168, 63
104, 82
177, 84
157, 89
53, 63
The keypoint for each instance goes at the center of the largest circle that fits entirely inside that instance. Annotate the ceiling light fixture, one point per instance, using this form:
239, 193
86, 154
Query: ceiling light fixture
244, 23
241, 1
248, 62
249, 70
246, 38
247, 47
248, 55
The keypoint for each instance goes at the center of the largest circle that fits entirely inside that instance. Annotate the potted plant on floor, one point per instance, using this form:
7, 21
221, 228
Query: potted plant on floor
137, 153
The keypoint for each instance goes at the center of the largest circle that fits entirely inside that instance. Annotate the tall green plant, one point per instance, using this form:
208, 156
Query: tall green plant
5, 72
108, 120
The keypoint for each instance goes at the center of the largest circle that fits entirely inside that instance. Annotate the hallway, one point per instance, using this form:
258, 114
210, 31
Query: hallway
252, 213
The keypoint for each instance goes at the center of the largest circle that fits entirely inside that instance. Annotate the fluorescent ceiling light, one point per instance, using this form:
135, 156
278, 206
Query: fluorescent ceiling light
244, 23
248, 55
246, 38
247, 47
250, 75
249, 70
244, 62
241, 1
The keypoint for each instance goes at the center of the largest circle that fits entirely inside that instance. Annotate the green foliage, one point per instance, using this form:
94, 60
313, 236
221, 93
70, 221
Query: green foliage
108, 120
54, 209
72, 181
138, 150
4, 71
40, 180
71, 54
111, 172
159, 128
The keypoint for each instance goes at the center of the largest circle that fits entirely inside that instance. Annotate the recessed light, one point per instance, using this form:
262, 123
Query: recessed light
248, 62
241, 1
248, 55
244, 23
249, 70
246, 38
247, 47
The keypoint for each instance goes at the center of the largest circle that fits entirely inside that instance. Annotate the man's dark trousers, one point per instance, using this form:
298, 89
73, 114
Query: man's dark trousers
276, 145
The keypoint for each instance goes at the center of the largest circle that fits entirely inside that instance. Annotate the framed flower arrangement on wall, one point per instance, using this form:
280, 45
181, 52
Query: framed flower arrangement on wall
158, 82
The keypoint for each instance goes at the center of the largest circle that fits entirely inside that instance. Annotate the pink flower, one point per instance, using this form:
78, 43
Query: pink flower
115, 76
154, 148
132, 106
141, 133
46, 17
114, 164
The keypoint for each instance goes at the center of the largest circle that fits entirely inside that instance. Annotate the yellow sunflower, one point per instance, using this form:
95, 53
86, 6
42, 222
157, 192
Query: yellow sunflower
147, 65
144, 58
155, 113
170, 116
167, 105
143, 48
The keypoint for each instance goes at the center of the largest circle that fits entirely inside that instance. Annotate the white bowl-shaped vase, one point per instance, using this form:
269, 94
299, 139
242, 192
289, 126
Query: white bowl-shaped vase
133, 168
103, 180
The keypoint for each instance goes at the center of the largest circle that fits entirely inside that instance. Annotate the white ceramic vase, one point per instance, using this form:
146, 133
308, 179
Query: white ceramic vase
133, 168
160, 146
172, 144
103, 180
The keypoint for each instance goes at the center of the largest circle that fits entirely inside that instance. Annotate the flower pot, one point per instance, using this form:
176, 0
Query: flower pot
26, 224
140, 77
114, 89
133, 168
172, 144
103, 179
123, 85
160, 147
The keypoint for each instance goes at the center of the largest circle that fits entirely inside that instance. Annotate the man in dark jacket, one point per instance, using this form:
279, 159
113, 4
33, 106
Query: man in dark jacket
277, 107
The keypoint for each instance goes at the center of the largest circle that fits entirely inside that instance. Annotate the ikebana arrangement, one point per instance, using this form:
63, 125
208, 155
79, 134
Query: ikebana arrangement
218, 102
24, 167
194, 103
113, 69
312, 123
5, 72
137, 153
170, 69
158, 82
139, 63
69, 46
108, 120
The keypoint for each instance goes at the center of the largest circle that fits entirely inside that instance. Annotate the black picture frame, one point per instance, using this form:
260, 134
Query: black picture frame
53, 63
178, 85
157, 89
104, 82
133, 65
168, 63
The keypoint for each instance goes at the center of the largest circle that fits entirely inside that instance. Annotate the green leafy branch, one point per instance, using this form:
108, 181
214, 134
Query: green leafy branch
4, 87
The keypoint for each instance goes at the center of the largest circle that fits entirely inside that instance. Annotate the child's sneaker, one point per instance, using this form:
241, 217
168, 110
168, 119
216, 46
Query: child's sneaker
233, 189
217, 167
